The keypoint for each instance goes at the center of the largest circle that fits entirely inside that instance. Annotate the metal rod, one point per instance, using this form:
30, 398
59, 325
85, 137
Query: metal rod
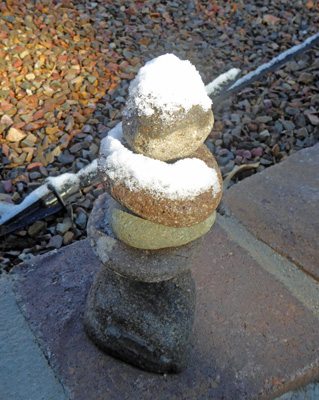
264, 69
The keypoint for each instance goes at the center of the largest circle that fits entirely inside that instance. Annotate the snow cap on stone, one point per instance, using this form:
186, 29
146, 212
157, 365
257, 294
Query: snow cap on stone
184, 179
166, 84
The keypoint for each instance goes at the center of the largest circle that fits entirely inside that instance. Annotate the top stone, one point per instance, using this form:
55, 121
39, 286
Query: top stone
168, 113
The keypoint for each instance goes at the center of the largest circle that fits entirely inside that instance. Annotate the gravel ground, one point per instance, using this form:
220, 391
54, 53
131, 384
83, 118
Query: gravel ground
65, 68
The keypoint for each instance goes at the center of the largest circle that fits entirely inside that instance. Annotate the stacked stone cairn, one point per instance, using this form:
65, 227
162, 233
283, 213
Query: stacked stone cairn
163, 187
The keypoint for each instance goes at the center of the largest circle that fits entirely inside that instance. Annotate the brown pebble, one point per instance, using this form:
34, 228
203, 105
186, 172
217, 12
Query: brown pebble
68, 237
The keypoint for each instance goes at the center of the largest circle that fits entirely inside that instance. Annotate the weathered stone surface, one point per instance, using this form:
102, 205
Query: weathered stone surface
164, 211
138, 264
145, 324
171, 139
280, 206
143, 234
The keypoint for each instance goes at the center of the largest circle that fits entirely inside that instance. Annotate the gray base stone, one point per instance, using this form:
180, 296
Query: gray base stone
138, 264
145, 324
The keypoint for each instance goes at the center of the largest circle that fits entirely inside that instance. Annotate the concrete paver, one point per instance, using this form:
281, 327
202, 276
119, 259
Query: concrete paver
253, 337
311, 392
257, 317
24, 372
280, 206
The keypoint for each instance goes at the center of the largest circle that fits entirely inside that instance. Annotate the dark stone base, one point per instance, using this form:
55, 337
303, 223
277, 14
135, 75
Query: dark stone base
145, 324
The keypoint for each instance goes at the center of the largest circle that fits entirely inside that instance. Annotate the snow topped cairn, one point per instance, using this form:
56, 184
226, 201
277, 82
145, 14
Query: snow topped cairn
165, 185
155, 163
168, 113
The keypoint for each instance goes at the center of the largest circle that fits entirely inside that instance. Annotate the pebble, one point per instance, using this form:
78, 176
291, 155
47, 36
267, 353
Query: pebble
265, 162
209, 143
55, 242
25, 257
75, 148
43, 171
68, 238
264, 135
66, 158
257, 152
314, 120
227, 139
301, 133
224, 156
36, 228
15, 135
64, 226
81, 220
264, 119
292, 111
288, 125
228, 167
247, 154
279, 127
35, 175
306, 77
7, 185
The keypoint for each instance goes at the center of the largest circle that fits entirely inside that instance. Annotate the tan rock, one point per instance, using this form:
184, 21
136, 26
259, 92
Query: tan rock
6, 120
15, 135
168, 139
142, 234
30, 76
51, 130
165, 211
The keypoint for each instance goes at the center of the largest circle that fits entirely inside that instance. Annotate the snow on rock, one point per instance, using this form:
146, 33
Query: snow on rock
168, 84
184, 179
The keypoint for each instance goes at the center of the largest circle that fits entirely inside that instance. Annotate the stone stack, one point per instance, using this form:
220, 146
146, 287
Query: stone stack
164, 187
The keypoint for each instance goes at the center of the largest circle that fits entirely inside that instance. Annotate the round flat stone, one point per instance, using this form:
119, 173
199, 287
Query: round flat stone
171, 139
165, 211
137, 264
142, 234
